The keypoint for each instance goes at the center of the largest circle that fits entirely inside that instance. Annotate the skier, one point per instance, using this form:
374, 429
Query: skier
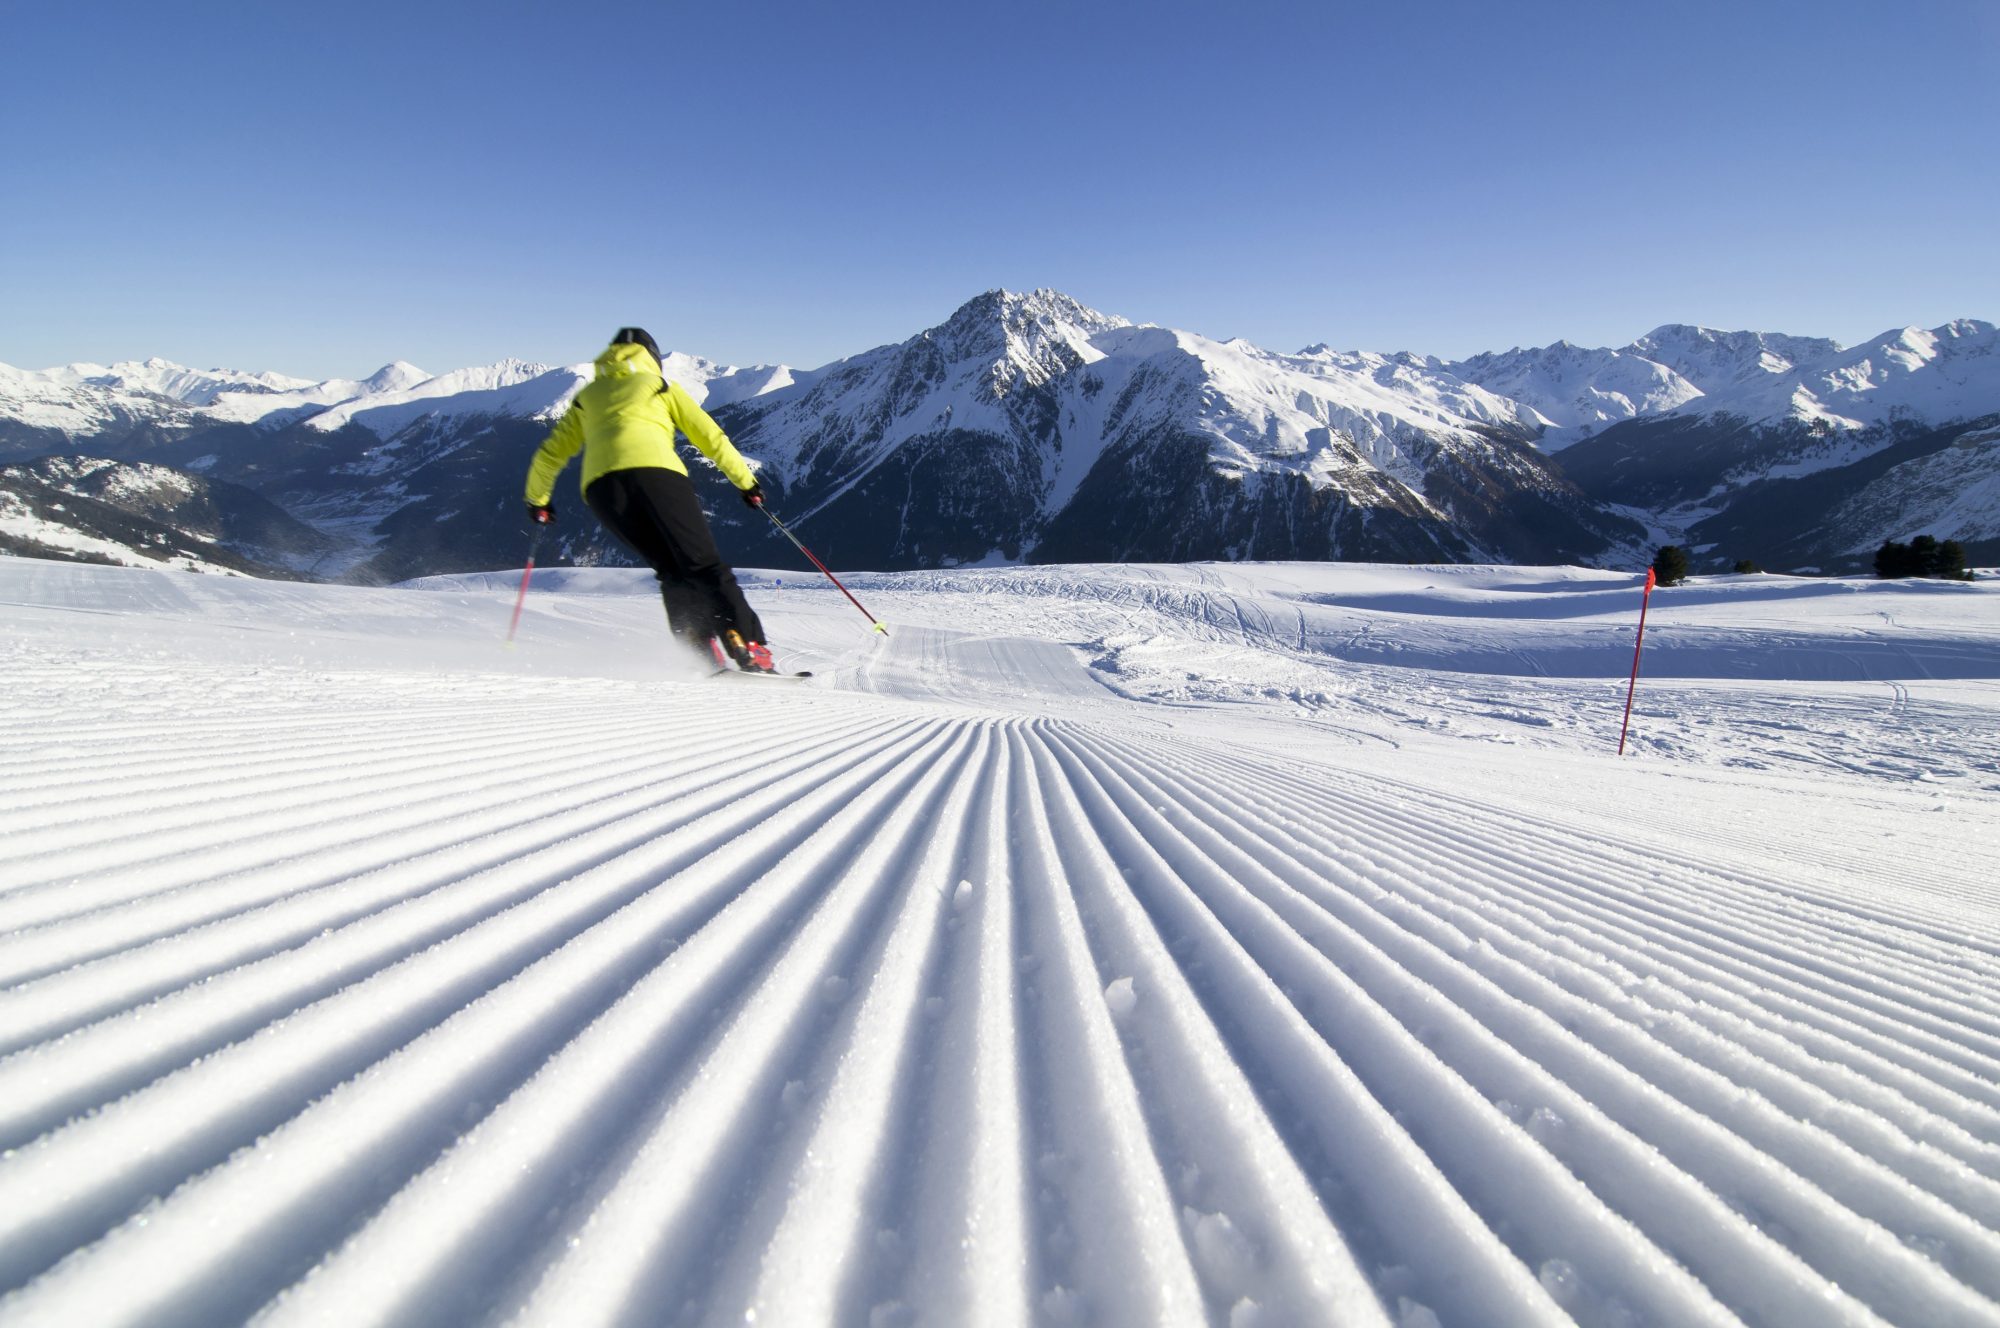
624, 421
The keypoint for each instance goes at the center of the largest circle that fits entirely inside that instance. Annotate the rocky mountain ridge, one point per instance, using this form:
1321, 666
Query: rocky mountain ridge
1029, 427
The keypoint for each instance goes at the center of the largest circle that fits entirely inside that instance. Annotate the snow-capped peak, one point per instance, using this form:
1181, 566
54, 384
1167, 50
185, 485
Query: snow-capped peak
1936, 375
1577, 390
397, 376
160, 377
1028, 339
1716, 361
508, 387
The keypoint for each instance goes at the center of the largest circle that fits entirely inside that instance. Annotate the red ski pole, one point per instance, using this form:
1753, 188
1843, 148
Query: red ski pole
823, 569
1652, 579
534, 543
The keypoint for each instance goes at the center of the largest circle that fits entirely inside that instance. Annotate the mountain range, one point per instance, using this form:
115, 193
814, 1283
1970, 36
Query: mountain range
1031, 428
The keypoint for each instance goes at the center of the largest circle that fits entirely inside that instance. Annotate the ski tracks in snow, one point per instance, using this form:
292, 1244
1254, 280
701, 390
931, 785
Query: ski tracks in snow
610, 1004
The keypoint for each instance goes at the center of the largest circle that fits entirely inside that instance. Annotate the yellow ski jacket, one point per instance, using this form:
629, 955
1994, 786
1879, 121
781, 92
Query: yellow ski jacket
624, 419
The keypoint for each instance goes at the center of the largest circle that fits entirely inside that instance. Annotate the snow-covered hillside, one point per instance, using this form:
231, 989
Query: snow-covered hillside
1575, 391
1957, 490
1715, 361
307, 400
77, 398
1030, 427
36, 523
1578, 391
137, 515
1762, 380
1249, 945
1936, 375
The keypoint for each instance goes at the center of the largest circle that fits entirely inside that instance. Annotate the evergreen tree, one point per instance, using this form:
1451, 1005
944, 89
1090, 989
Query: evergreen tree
1670, 564
1745, 566
1923, 556
1892, 560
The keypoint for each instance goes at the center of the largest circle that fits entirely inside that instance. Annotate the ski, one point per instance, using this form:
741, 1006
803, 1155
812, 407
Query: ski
770, 677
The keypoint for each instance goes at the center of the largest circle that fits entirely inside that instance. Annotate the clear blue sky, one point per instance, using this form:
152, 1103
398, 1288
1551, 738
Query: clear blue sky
320, 188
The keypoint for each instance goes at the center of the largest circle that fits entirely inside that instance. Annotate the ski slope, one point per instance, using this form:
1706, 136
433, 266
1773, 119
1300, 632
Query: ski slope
1247, 945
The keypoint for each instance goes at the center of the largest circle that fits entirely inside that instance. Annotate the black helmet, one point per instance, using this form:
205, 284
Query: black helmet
637, 336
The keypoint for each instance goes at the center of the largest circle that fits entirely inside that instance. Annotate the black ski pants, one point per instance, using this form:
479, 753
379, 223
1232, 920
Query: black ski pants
654, 512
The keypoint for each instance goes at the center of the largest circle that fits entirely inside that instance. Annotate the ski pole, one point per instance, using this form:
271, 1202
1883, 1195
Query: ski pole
1652, 579
534, 543
823, 569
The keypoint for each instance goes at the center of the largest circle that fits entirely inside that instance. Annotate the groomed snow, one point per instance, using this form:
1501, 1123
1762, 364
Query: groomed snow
1248, 945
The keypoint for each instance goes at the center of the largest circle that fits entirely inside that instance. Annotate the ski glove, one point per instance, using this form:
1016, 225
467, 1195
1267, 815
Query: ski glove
542, 515
754, 497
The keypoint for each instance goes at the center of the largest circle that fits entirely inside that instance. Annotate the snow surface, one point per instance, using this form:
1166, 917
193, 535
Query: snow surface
1253, 944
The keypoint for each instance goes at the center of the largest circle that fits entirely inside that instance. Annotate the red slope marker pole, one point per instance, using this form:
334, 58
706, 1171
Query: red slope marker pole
1652, 579
823, 570
526, 572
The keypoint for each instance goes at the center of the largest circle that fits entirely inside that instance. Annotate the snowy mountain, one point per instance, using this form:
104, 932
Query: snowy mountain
1252, 945
1026, 426
1909, 374
1029, 426
1713, 362
136, 405
138, 380
47, 409
1578, 392
1956, 488
1033, 428
1940, 482
86, 400
1759, 467
95, 510
307, 400
1575, 392
381, 467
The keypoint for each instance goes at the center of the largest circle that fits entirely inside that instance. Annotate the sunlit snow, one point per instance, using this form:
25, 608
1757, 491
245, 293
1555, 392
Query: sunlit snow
1235, 944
